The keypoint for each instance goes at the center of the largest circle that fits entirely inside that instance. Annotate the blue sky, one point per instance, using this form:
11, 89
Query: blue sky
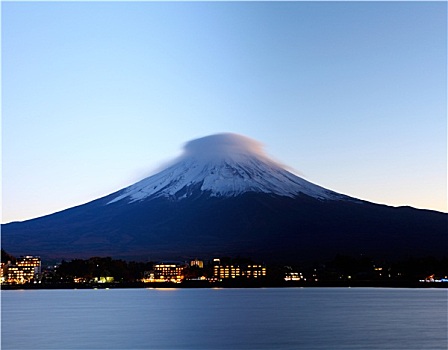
97, 95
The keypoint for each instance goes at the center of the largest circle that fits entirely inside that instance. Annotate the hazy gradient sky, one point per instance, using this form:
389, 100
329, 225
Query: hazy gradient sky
97, 95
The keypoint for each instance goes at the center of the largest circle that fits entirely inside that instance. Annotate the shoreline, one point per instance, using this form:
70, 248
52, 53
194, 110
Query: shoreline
229, 284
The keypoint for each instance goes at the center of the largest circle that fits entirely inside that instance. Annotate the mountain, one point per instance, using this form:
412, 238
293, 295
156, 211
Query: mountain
223, 165
224, 196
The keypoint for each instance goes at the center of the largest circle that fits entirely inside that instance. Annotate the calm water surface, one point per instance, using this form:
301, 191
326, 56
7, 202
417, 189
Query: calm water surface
271, 318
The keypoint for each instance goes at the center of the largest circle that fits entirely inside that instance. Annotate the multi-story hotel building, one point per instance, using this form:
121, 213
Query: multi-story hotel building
166, 272
254, 271
237, 270
226, 271
30, 262
25, 269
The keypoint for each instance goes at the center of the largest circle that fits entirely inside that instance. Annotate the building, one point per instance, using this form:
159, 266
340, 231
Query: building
226, 271
197, 263
26, 268
30, 262
294, 276
254, 271
102, 279
166, 272
2, 272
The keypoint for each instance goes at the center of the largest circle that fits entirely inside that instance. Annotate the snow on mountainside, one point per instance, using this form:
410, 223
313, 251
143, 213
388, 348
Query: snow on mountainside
223, 165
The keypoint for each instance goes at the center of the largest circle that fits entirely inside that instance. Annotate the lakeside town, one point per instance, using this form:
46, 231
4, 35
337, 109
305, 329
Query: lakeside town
30, 272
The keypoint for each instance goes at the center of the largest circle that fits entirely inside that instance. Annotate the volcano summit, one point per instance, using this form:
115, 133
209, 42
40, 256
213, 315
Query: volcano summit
224, 196
224, 165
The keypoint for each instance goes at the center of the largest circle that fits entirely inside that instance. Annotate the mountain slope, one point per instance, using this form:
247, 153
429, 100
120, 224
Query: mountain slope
225, 197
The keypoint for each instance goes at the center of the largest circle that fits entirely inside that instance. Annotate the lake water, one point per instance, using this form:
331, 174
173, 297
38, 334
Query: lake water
271, 318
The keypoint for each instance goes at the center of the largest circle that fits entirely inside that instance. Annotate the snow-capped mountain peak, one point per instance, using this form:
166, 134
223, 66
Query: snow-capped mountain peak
222, 165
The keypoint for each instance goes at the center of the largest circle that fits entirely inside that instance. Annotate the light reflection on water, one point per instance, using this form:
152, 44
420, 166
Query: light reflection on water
271, 318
